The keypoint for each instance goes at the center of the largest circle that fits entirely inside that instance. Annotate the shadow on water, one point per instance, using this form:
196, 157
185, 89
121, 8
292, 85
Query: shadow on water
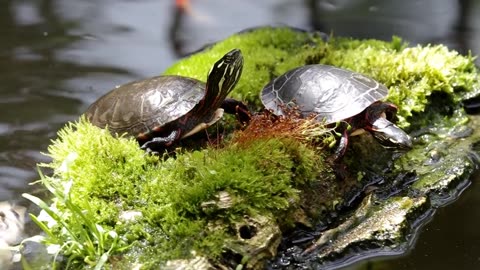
56, 57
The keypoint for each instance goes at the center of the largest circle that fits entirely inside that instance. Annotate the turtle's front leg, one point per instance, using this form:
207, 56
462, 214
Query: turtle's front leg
335, 159
157, 143
240, 109
341, 148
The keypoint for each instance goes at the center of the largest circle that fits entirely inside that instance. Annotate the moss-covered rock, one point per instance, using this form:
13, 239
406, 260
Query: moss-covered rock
193, 202
230, 202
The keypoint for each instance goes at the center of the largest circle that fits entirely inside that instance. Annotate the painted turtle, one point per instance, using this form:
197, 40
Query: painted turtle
161, 110
337, 95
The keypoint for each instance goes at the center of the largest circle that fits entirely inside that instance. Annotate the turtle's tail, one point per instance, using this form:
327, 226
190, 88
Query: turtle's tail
222, 78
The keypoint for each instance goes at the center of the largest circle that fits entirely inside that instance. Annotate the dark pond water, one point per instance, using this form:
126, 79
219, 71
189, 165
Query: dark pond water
56, 57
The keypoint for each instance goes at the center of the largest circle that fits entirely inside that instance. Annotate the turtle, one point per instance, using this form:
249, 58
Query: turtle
161, 110
350, 100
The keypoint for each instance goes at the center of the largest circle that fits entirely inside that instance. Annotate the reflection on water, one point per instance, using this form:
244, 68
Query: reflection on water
56, 57
419, 21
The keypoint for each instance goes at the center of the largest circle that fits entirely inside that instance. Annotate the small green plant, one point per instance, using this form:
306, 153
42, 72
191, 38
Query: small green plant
82, 241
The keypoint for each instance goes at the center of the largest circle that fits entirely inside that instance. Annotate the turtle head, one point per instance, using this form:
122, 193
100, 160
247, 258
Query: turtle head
389, 135
378, 117
223, 76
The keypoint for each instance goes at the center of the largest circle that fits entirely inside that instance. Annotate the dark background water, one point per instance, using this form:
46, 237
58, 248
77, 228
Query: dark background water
56, 57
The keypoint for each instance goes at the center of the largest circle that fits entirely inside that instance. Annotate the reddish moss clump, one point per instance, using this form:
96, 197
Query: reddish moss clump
292, 125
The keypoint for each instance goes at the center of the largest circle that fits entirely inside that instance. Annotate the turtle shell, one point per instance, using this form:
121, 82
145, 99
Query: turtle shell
332, 94
140, 106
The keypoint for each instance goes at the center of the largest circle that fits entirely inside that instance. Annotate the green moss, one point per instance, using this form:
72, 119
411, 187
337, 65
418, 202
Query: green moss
262, 177
104, 168
411, 73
